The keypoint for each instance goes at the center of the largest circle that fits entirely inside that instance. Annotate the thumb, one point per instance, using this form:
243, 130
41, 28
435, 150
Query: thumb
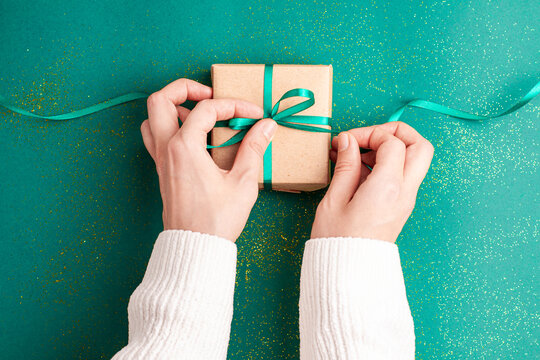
249, 158
347, 172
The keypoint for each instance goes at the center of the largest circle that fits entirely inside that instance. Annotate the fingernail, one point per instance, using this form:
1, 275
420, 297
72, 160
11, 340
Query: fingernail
269, 129
343, 142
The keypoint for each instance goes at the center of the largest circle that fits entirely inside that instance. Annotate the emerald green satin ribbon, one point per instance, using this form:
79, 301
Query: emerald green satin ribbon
78, 113
287, 117
418, 103
458, 114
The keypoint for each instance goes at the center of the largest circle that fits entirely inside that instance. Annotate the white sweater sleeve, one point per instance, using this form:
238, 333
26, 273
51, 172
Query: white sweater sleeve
353, 303
183, 307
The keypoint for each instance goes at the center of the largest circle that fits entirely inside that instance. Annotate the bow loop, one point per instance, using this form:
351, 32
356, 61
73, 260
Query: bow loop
295, 109
241, 123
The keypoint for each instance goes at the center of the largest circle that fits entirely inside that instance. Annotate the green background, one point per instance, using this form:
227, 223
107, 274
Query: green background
80, 206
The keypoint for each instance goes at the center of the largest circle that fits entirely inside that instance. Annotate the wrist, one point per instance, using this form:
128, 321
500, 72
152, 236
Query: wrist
199, 231
352, 234
192, 234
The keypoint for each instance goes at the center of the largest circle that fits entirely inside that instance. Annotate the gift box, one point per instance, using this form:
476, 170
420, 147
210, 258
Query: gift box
298, 159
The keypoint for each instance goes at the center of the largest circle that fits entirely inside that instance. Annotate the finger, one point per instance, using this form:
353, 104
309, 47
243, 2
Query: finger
367, 158
403, 131
185, 89
333, 155
249, 159
390, 151
334, 143
182, 113
205, 114
364, 172
148, 139
419, 151
347, 172
162, 113
333, 148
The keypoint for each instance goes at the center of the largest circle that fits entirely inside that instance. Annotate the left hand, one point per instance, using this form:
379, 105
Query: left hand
197, 195
373, 204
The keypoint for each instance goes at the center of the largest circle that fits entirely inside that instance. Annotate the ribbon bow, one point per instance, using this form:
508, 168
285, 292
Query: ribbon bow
287, 118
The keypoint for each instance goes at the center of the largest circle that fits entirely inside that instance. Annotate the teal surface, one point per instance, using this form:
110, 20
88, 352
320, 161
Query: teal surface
80, 206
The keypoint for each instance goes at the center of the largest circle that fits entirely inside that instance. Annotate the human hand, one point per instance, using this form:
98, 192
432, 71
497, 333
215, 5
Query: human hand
375, 204
197, 195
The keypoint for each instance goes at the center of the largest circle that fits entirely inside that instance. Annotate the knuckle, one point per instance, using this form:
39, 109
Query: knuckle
155, 99
248, 178
175, 147
205, 107
145, 130
327, 205
323, 206
397, 145
428, 147
205, 103
404, 126
257, 147
377, 133
183, 81
391, 188
380, 132
344, 165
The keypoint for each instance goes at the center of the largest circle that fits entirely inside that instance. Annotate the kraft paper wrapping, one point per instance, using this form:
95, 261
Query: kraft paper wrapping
300, 160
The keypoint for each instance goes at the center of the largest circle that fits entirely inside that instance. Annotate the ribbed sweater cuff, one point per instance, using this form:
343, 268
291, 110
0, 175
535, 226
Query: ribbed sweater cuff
353, 302
183, 307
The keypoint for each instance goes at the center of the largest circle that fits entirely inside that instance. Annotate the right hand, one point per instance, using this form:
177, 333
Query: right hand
376, 204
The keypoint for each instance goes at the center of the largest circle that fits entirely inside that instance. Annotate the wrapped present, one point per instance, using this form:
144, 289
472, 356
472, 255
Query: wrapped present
299, 98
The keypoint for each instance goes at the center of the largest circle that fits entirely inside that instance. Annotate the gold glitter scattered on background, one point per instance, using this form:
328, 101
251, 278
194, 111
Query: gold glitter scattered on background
80, 201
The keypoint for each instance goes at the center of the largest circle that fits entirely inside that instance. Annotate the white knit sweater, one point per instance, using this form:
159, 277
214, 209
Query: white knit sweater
352, 300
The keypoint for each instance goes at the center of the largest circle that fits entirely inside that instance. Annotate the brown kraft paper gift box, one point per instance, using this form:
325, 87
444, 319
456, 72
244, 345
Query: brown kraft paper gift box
300, 159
